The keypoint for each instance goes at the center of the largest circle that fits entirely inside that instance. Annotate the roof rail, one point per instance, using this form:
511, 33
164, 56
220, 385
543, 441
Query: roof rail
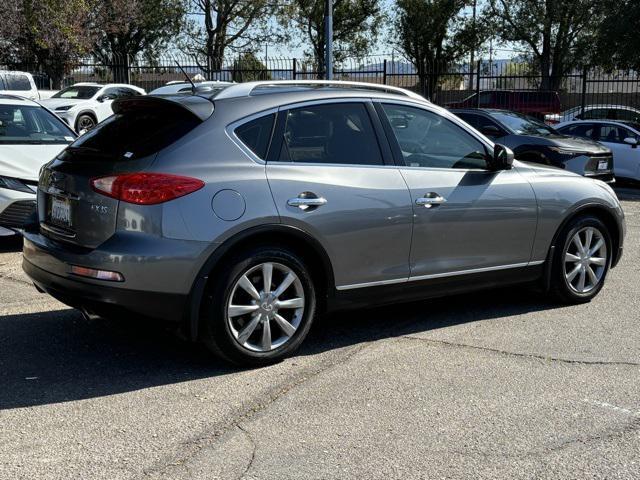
245, 89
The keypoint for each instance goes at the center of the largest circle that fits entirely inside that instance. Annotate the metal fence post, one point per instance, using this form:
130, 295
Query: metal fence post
294, 69
478, 84
384, 72
583, 98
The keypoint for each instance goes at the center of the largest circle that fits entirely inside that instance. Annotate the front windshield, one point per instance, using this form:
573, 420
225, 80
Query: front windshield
523, 125
22, 124
83, 92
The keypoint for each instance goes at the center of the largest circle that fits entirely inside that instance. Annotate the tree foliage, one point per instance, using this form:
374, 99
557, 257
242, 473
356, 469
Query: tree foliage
618, 40
124, 28
235, 24
558, 33
356, 26
433, 34
48, 35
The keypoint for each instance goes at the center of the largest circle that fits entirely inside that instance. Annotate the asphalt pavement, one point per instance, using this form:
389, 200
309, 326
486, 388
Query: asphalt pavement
500, 384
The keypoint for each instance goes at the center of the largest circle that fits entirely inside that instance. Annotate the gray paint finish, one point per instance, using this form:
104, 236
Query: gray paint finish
370, 227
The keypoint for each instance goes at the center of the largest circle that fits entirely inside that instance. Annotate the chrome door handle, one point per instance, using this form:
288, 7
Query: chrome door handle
305, 202
431, 200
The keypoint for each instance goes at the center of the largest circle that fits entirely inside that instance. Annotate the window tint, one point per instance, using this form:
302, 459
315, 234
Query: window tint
429, 140
595, 113
486, 98
628, 115
470, 118
16, 81
256, 134
133, 134
586, 130
331, 133
127, 92
614, 134
81, 92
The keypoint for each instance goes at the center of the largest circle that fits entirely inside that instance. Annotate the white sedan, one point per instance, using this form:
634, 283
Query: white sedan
30, 136
622, 138
83, 105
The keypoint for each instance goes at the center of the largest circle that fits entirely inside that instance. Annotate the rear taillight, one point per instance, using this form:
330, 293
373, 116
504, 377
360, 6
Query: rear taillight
146, 188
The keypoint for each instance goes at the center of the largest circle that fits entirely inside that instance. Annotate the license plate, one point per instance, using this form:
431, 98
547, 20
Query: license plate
60, 211
603, 164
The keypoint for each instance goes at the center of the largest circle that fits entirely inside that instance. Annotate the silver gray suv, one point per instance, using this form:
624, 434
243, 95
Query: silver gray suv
245, 212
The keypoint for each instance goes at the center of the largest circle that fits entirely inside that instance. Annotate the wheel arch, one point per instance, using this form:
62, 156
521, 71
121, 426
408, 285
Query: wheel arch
90, 113
292, 238
604, 214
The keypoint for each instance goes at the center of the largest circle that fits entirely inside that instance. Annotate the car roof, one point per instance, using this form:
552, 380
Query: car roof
17, 100
623, 123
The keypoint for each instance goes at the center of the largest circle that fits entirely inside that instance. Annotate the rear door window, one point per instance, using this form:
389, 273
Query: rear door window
340, 133
256, 134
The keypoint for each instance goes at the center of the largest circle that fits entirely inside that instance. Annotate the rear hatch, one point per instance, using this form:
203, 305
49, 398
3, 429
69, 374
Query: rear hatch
69, 209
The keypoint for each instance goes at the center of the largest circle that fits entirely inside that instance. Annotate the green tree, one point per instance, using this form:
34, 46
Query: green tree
433, 34
46, 35
558, 33
618, 42
356, 25
227, 24
248, 68
125, 28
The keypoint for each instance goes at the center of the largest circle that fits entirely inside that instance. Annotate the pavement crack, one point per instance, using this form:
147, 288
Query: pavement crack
219, 430
520, 355
253, 451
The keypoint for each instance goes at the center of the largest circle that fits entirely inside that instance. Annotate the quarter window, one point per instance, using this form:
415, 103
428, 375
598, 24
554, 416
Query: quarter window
429, 140
340, 133
256, 134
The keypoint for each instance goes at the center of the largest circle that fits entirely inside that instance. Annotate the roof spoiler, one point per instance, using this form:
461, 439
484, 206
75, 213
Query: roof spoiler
197, 106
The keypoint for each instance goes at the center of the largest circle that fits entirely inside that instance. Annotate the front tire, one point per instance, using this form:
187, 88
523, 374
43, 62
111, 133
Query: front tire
261, 307
85, 122
582, 260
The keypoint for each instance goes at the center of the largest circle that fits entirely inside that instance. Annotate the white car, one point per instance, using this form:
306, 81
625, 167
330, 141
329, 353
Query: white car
185, 87
30, 136
595, 112
18, 83
83, 105
622, 138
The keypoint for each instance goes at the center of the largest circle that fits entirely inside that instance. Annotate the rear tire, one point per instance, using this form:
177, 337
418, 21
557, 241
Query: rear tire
581, 260
260, 308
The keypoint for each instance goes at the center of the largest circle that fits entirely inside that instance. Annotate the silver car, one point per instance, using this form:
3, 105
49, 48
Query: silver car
245, 213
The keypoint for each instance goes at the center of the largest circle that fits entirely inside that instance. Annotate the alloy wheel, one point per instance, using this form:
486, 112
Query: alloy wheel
265, 307
585, 260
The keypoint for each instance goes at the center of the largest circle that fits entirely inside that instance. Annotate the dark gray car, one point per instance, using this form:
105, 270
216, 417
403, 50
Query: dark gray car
246, 213
533, 141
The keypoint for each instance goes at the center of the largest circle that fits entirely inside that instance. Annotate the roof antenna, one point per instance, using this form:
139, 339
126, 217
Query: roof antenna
193, 85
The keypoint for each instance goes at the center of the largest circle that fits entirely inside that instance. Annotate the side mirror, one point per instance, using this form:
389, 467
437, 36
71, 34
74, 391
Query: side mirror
631, 141
491, 131
502, 157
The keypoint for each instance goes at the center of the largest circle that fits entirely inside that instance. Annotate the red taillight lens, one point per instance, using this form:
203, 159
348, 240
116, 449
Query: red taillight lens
146, 188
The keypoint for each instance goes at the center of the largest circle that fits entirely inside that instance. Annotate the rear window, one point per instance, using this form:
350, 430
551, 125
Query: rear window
256, 134
133, 134
16, 81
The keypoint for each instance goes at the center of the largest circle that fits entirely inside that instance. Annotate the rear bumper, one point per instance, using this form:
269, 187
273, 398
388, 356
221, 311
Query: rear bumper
158, 274
107, 300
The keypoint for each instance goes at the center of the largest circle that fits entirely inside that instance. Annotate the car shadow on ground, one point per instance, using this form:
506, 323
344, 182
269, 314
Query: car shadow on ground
9, 244
58, 356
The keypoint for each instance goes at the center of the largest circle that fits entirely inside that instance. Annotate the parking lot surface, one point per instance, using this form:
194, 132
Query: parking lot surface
500, 384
